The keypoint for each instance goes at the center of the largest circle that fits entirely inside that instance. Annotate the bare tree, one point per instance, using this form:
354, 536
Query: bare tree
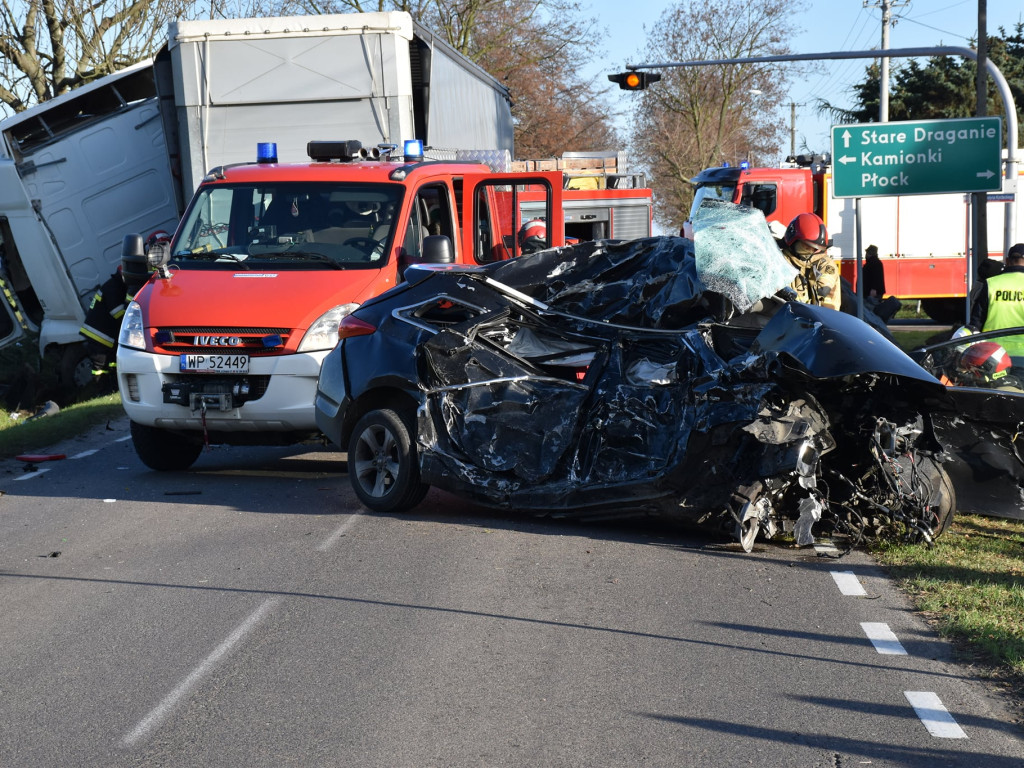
48, 47
697, 117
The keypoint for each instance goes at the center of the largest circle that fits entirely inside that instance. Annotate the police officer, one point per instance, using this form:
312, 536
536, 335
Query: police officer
1000, 302
805, 245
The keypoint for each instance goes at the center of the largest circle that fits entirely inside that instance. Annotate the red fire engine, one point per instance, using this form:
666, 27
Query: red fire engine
224, 342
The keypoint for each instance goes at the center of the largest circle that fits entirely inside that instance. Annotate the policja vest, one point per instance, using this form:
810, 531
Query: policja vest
1006, 309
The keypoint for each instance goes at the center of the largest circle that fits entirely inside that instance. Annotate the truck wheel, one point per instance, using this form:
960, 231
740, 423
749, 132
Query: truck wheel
164, 451
77, 380
383, 464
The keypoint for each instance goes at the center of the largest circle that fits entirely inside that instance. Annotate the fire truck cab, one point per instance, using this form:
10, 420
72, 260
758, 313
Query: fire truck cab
223, 343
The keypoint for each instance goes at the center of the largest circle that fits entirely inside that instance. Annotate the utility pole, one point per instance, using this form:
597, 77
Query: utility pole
980, 199
883, 80
792, 128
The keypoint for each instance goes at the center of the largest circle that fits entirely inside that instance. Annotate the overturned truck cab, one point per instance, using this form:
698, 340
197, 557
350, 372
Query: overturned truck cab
661, 376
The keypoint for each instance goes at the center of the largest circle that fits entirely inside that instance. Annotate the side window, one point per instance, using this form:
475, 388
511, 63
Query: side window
431, 214
762, 196
510, 219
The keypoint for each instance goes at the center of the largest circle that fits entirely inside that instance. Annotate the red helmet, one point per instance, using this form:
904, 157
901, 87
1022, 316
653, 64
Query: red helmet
533, 236
983, 363
806, 234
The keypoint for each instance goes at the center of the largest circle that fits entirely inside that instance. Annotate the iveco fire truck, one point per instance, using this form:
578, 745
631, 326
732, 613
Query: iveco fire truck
923, 240
223, 343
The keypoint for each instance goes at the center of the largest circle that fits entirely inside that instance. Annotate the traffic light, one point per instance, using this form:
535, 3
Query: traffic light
634, 81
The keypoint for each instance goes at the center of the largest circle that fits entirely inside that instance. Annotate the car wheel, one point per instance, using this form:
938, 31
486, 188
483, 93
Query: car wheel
383, 464
164, 451
943, 497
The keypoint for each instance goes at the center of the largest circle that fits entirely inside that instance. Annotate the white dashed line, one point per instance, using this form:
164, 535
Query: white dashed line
331, 540
83, 454
163, 709
826, 548
883, 638
848, 583
36, 473
936, 718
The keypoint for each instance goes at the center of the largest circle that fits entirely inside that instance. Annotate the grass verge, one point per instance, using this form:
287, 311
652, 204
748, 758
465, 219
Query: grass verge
19, 436
970, 586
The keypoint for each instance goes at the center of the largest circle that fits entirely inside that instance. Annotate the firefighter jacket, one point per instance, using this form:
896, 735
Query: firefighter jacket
103, 318
817, 281
1005, 307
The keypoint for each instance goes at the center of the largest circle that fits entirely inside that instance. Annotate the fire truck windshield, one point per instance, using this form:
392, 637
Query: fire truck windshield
722, 192
295, 225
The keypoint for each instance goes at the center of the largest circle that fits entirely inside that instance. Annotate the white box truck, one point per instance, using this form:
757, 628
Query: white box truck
124, 154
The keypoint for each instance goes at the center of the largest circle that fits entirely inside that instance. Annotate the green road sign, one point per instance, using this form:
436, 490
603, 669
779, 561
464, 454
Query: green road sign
923, 157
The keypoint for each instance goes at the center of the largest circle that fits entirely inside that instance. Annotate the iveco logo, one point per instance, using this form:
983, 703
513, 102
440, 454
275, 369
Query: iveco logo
218, 341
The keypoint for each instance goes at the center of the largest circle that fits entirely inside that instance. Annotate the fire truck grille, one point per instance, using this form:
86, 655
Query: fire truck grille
197, 341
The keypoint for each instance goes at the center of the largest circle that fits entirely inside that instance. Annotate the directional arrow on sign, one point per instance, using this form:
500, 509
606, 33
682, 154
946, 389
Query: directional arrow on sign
846, 139
985, 174
847, 159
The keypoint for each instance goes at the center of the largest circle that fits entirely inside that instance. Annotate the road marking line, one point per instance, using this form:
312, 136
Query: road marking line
883, 638
83, 454
826, 548
936, 718
36, 473
331, 540
151, 721
848, 583
122, 439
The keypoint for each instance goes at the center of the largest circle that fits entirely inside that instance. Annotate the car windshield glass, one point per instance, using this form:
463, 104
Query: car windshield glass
295, 225
711, 192
736, 254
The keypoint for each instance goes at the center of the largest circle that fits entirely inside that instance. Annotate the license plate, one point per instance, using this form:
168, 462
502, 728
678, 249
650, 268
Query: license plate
214, 364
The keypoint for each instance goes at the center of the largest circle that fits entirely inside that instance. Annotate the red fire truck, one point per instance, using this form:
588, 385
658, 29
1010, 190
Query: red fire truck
923, 240
223, 343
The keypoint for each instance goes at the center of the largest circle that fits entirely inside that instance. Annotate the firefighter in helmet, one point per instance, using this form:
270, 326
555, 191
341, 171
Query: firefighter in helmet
533, 236
805, 245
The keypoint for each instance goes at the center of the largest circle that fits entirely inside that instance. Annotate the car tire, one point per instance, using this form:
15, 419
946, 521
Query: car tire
943, 496
383, 464
164, 451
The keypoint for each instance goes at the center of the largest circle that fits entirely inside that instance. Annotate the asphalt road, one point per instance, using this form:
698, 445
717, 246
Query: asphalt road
247, 613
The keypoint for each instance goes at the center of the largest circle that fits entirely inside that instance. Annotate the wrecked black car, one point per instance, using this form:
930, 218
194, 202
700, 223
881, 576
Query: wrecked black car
984, 430
647, 377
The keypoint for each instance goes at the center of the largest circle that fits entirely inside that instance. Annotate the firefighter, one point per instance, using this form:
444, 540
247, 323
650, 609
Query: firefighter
103, 321
533, 236
103, 318
1000, 302
805, 245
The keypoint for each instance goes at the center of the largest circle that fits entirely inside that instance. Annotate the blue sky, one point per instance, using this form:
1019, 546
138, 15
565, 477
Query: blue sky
831, 25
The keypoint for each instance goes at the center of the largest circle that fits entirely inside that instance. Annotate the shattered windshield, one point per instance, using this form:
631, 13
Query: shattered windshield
291, 225
722, 192
737, 255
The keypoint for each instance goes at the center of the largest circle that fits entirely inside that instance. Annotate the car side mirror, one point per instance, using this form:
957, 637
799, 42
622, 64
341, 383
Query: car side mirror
437, 249
134, 264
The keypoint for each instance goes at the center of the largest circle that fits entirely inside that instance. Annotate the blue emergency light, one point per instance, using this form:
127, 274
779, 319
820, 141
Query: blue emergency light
744, 165
266, 152
413, 149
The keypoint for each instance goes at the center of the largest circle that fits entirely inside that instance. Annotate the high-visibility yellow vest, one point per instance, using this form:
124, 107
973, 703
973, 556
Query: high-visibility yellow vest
1006, 309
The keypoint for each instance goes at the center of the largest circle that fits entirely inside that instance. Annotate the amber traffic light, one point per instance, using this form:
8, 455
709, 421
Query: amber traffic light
634, 81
